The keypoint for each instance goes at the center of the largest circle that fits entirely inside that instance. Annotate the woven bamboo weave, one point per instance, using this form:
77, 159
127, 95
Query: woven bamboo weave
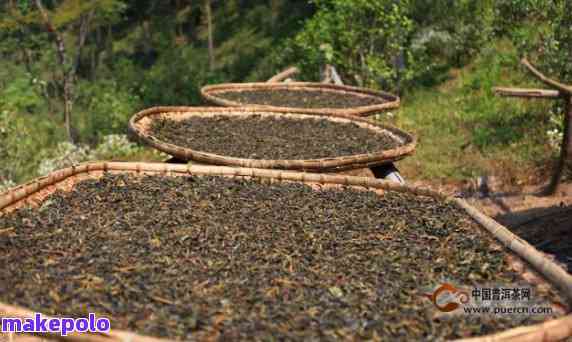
140, 126
35, 191
390, 101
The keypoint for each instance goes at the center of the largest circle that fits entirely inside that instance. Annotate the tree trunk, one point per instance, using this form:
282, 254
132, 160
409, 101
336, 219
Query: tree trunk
565, 150
178, 25
208, 11
27, 58
95, 54
109, 43
148, 35
274, 13
68, 68
68, 106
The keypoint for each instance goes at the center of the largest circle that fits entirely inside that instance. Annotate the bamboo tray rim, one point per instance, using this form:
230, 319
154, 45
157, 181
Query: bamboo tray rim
552, 330
338, 163
391, 101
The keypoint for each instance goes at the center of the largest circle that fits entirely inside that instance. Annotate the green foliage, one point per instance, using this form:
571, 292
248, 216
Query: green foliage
363, 38
7, 131
107, 107
465, 130
392, 43
556, 50
496, 121
467, 23
175, 78
541, 30
448, 34
23, 136
511, 13
19, 94
67, 12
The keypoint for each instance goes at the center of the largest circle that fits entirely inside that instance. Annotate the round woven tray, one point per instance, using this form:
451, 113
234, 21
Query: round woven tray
390, 101
34, 192
140, 126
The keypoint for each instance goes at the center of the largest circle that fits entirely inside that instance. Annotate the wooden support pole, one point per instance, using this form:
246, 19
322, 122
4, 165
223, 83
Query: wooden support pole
330, 75
565, 149
562, 91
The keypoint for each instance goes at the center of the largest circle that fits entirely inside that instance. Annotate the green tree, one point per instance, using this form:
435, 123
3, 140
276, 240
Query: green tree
365, 39
68, 24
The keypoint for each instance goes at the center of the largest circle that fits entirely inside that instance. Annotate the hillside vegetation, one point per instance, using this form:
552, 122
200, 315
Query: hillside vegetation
72, 72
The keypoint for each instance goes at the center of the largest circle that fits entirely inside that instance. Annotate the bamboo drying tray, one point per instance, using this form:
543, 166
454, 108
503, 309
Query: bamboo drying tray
140, 126
34, 192
210, 94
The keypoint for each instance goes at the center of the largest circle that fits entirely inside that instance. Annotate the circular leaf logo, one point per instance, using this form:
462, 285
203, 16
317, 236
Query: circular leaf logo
461, 297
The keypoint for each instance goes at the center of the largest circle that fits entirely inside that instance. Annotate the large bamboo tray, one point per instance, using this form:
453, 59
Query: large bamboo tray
140, 124
35, 191
210, 94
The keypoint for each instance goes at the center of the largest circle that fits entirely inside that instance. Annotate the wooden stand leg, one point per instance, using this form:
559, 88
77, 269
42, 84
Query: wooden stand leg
565, 151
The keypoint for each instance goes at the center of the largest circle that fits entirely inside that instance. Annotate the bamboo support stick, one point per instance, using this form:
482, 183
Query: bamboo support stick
527, 93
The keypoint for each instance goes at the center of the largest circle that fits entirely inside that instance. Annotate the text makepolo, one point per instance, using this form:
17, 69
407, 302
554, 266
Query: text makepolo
60, 325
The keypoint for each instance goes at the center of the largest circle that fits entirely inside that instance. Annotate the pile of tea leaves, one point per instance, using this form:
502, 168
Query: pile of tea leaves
264, 137
203, 257
297, 98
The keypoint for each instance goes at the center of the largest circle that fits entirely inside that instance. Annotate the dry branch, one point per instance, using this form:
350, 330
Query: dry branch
548, 81
283, 75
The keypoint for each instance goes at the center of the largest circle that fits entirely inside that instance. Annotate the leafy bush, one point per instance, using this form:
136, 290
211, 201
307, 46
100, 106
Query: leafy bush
6, 130
175, 78
21, 92
541, 30
114, 146
67, 154
108, 108
556, 49
21, 137
468, 23
390, 43
365, 39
